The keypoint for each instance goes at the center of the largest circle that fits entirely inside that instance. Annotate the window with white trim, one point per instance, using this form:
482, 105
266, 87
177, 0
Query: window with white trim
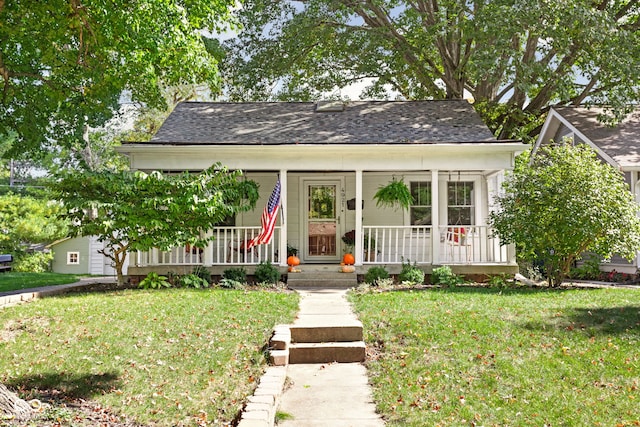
420, 209
460, 203
73, 258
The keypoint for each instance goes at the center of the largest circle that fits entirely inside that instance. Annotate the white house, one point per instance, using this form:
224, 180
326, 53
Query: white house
331, 158
617, 145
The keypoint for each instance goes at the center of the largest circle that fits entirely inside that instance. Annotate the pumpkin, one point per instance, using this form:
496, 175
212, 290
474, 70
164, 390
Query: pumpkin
348, 269
293, 261
348, 259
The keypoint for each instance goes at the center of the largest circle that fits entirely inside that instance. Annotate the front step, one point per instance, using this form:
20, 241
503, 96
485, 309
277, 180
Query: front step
328, 352
343, 330
321, 279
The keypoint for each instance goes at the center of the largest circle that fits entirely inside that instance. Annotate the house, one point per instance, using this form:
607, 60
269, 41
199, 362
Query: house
617, 145
331, 157
79, 255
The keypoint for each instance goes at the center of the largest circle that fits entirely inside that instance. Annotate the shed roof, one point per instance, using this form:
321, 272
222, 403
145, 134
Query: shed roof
620, 142
361, 122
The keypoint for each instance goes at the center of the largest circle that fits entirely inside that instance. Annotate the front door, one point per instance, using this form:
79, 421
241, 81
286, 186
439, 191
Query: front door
322, 216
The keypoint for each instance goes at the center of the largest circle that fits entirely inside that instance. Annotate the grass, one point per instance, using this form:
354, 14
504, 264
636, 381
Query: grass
15, 281
476, 356
174, 357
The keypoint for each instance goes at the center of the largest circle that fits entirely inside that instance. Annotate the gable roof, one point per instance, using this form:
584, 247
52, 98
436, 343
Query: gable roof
361, 122
621, 143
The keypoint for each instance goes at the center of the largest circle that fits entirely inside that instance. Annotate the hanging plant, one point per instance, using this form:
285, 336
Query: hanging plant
395, 195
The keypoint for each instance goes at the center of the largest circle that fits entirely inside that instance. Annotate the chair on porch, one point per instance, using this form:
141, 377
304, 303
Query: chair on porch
239, 245
457, 239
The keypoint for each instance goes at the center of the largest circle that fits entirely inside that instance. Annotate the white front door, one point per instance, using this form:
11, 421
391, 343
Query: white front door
322, 220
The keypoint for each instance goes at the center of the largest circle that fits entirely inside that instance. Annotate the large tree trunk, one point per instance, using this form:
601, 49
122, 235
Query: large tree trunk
11, 406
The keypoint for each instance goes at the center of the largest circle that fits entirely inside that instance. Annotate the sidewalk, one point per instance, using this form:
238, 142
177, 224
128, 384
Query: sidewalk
23, 295
327, 394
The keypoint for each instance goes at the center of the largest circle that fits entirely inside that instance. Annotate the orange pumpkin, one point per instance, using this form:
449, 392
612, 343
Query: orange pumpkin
293, 261
348, 259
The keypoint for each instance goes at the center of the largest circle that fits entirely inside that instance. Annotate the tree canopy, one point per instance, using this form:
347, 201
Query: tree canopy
564, 203
132, 211
513, 57
65, 64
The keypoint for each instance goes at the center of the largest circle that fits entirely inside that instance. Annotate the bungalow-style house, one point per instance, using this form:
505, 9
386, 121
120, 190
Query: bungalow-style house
331, 158
79, 255
617, 145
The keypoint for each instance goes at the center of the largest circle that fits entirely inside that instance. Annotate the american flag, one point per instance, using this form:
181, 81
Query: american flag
268, 220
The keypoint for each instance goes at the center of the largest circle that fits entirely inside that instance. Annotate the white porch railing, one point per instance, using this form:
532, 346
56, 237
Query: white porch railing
457, 245
228, 247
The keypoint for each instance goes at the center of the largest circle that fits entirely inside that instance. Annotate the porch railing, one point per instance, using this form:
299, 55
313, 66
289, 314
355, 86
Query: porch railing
395, 245
228, 247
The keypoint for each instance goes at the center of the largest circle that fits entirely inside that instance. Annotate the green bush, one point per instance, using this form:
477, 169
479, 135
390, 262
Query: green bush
445, 277
237, 274
589, 270
411, 274
154, 281
375, 274
501, 281
37, 262
192, 281
231, 284
202, 273
267, 273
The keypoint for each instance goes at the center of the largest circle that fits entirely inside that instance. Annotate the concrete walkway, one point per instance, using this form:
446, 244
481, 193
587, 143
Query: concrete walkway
327, 394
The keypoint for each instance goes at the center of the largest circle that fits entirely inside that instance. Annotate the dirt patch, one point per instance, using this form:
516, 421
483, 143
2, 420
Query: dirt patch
15, 327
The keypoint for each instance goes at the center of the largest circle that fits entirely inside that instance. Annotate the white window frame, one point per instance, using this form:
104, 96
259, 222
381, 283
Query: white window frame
475, 199
71, 255
430, 206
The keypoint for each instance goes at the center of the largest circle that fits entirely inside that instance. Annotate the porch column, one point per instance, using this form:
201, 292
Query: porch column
635, 190
358, 244
435, 219
282, 249
207, 260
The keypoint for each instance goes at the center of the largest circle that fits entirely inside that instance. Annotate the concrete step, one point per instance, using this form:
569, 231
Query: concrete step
337, 333
327, 352
322, 279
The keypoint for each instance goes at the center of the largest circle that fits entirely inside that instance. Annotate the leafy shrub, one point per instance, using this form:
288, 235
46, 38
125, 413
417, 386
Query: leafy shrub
203, 273
411, 274
37, 262
375, 274
231, 284
192, 281
238, 274
154, 281
267, 273
500, 281
589, 270
445, 277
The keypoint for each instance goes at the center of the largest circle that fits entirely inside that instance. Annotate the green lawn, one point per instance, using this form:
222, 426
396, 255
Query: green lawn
15, 281
475, 356
163, 358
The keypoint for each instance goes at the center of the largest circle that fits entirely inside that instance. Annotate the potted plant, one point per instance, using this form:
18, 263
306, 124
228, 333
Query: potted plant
396, 194
292, 259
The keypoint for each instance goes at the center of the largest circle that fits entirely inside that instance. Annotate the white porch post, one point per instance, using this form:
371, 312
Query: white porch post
282, 250
635, 190
358, 244
208, 253
435, 219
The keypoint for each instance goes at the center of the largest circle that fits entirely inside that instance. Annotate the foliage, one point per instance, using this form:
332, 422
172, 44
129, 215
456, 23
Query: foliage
33, 262
567, 203
501, 281
291, 250
191, 281
202, 273
395, 194
411, 274
590, 269
132, 211
267, 273
236, 274
64, 66
25, 220
513, 58
11, 281
145, 344
452, 357
375, 274
445, 277
231, 284
154, 281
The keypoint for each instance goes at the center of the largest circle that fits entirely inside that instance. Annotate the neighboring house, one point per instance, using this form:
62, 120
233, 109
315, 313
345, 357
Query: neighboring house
618, 145
79, 255
331, 158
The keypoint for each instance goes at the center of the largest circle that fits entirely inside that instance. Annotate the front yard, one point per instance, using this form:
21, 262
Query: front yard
522, 357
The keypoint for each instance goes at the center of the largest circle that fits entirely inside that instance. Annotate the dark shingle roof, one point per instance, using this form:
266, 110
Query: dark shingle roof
620, 142
361, 122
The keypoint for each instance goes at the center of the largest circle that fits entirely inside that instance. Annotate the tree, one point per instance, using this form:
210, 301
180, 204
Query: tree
65, 64
513, 57
564, 203
132, 211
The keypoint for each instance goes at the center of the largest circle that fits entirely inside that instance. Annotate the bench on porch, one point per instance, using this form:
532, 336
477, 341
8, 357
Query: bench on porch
5, 262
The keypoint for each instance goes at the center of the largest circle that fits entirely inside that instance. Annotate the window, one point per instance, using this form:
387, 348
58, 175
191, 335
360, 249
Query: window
73, 258
460, 203
420, 210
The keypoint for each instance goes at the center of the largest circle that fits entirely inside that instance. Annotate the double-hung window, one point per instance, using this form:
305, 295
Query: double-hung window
461, 203
420, 210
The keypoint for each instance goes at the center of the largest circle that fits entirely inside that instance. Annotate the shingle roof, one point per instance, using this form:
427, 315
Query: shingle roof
361, 122
621, 142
